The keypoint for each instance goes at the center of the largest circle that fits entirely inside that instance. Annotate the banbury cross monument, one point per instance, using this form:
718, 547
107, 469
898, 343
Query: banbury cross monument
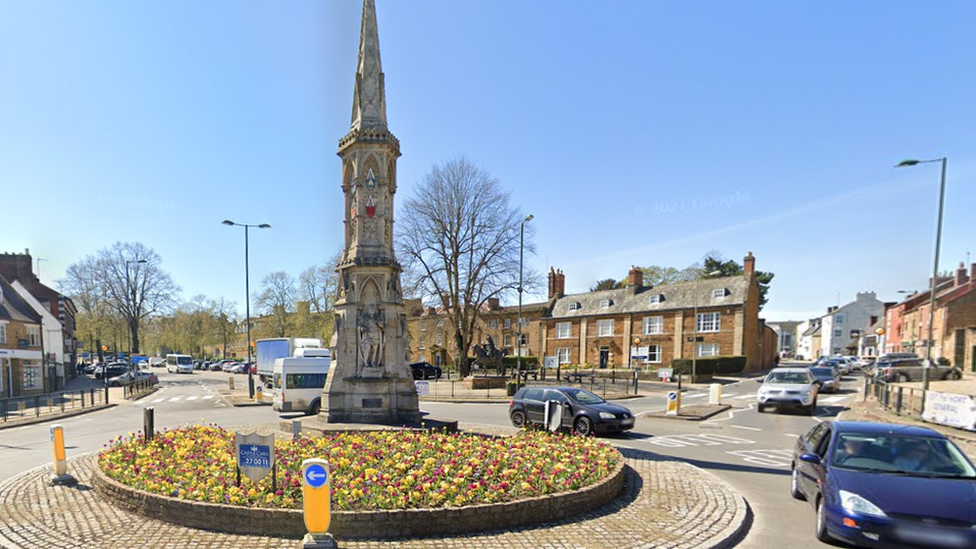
369, 381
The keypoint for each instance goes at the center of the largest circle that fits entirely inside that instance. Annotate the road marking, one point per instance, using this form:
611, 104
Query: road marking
159, 400
696, 395
207, 397
746, 396
768, 458
681, 441
174, 399
191, 398
744, 427
790, 435
830, 400
733, 412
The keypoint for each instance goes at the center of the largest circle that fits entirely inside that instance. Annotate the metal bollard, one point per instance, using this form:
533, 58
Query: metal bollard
149, 424
296, 429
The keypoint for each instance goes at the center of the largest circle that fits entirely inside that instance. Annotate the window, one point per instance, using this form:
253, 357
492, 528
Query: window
305, 381
839, 318
653, 325
718, 294
709, 322
508, 323
523, 322
493, 324
653, 354
507, 340
421, 344
523, 339
32, 375
605, 303
604, 328
563, 354
34, 335
706, 349
3, 333
564, 330
574, 307
838, 333
440, 321
423, 325
440, 338
654, 299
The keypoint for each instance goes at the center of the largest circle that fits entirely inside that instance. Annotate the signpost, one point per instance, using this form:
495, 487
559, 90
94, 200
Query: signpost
317, 494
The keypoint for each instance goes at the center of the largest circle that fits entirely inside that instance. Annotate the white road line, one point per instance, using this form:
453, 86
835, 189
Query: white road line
174, 399
746, 396
733, 412
791, 435
744, 427
191, 398
207, 397
158, 400
697, 395
830, 400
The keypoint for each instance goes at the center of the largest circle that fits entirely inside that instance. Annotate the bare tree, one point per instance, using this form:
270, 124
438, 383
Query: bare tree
276, 300
319, 284
460, 245
128, 278
225, 318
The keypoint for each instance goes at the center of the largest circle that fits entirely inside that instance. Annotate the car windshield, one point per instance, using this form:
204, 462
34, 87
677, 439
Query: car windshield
822, 373
582, 396
797, 378
184, 361
901, 454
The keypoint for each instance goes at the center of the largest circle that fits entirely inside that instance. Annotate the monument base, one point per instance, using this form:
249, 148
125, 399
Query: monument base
371, 400
319, 541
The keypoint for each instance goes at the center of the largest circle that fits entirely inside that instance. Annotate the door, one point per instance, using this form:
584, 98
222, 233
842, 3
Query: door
535, 406
604, 357
567, 416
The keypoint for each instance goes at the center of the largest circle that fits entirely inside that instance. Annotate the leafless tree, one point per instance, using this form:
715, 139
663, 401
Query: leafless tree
128, 278
225, 319
459, 243
318, 285
276, 300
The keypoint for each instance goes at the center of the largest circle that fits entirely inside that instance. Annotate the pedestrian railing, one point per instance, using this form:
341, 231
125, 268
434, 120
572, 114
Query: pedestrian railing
137, 389
15, 408
904, 401
461, 389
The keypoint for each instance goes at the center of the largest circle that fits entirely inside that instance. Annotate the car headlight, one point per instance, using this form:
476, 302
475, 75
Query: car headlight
607, 415
853, 503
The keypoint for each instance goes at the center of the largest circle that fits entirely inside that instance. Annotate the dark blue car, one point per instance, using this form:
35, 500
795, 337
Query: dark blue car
886, 485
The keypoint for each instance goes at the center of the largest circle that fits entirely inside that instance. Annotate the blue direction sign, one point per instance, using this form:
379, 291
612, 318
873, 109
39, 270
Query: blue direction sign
316, 475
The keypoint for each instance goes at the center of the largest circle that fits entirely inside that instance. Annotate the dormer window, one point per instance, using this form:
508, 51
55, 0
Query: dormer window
605, 303
574, 307
719, 293
655, 299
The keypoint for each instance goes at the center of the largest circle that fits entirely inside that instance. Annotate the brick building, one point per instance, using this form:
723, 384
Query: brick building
20, 268
709, 317
21, 370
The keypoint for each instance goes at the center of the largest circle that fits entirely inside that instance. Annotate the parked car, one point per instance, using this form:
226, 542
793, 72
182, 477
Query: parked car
581, 410
912, 369
132, 377
157, 362
228, 366
219, 366
237, 368
111, 370
885, 485
425, 370
788, 388
828, 377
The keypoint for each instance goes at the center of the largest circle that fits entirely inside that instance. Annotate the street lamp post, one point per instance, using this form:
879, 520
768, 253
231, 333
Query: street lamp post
129, 291
935, 266
518, 333
694, 343
247, 301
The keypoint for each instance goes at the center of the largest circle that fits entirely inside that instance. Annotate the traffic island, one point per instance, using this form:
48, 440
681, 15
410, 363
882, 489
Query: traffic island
698, 412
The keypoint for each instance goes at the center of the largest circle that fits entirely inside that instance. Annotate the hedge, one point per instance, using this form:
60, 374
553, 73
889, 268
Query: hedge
710, 365
528, 362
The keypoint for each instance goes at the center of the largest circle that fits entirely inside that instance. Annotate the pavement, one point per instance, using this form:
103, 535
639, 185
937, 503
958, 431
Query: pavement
664, 503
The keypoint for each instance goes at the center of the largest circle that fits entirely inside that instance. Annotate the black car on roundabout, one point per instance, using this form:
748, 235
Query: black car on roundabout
425, 370
581, 411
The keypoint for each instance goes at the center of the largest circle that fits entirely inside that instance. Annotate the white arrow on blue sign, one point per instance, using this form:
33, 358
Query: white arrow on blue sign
315, 476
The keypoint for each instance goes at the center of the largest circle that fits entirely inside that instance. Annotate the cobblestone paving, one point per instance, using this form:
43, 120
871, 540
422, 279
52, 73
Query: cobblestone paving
663, 504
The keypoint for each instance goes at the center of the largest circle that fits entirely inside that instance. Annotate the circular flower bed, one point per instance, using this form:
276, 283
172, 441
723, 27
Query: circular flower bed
370, 470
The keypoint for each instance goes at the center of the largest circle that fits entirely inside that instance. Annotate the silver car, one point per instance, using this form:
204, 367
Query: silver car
786, 388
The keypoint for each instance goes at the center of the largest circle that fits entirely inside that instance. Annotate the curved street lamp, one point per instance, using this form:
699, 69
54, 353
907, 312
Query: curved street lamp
247, 292
518, 333
935, 267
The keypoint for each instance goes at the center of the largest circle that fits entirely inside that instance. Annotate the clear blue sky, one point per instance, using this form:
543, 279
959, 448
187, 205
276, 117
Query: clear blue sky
636, 132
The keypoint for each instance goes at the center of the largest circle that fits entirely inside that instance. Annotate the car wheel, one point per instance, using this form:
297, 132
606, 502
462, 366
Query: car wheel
821, 531
313, 410
901, 378
518, 419
583, 425
812, 409
761, 408
953, 376
795, 486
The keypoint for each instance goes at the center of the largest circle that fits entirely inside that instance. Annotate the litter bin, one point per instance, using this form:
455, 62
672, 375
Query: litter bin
511, 388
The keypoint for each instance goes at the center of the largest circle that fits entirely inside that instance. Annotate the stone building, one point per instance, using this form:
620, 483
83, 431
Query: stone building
21, 370
650, 326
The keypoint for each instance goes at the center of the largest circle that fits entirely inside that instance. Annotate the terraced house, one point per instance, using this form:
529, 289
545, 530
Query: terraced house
650, 326
21, 371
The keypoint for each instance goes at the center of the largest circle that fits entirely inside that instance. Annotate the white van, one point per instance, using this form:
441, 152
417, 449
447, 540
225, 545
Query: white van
297, 382
180, 364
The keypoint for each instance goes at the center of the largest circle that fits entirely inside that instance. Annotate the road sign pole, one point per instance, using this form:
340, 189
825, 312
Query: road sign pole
317, 495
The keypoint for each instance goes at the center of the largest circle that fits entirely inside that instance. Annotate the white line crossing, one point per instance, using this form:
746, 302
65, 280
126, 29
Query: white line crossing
191, 397
206, 397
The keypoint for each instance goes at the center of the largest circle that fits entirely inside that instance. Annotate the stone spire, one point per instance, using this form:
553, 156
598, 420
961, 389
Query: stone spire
369, 97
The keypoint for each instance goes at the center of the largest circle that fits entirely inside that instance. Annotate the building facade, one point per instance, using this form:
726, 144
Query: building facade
21, 369
842, 327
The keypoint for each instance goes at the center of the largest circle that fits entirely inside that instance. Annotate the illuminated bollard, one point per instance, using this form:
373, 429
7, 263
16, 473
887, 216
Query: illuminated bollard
317, 493
715, 394
61, 476
674, 403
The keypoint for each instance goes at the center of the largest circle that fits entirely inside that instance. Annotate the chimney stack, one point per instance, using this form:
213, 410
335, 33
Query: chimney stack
749, 264
552, 283
560, 283
493, 304
635, 278
960, 277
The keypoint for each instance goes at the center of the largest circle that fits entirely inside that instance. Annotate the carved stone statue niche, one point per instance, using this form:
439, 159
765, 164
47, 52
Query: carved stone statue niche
371, 337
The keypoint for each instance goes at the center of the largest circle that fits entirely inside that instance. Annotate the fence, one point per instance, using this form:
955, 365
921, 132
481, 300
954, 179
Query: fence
905, 401
15, 408
619, 386
137, 389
